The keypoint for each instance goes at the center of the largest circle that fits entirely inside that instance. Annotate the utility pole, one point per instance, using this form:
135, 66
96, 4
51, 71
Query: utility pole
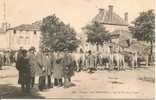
5, 24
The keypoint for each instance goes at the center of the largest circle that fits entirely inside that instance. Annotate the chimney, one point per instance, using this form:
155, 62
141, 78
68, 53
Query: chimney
101, 9
126, 17
110, 10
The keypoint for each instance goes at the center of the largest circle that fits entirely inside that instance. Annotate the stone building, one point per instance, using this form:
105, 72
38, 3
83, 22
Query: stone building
25, 35
115, 24
3, 40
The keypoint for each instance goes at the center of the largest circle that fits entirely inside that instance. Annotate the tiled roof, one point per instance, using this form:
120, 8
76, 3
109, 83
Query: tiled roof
28, 27
104, 17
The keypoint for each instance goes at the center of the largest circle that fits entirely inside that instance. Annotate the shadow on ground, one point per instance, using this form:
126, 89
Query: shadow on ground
13, 92
147, 79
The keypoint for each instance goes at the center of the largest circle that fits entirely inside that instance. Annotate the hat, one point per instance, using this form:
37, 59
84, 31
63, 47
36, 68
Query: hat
46, 50
32, 49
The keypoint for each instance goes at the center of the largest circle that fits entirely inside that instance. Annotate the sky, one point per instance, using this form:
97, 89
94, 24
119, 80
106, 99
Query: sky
75, 12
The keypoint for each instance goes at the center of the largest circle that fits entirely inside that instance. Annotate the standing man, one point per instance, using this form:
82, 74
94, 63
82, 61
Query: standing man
58, 69
68, 65
1, 61
25, 72
18, 63
44, 69
48, 63
31, 55
90, 62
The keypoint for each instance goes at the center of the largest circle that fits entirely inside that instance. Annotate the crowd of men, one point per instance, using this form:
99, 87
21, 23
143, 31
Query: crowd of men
50, 66
57, 68
6, 58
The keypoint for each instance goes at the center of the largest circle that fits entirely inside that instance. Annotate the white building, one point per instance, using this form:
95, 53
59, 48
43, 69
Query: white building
25, 35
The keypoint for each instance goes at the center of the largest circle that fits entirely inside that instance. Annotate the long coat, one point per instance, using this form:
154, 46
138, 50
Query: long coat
43, 62
25, 71
32, 61
48, 64
90, 61
68, 65
58, 68
39, 64
1, 60
18, 59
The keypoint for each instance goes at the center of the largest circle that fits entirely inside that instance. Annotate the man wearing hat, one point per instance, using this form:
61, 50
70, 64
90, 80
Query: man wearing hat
68, 65
58, 69
48, 63
18, 62
32, 61
44, 65
90, 62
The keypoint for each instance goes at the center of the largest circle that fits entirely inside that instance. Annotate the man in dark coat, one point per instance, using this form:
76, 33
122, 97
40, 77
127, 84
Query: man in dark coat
18, 63
1, 61
25, 72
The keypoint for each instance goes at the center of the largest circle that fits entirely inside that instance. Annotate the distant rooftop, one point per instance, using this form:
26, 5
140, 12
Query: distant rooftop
28, 27
110, 17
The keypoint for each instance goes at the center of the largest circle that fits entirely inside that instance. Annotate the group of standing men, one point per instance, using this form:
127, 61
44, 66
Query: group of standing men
53, 68
6, 58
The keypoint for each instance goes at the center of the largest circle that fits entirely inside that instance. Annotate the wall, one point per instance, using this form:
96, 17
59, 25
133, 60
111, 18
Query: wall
25, 39
4, 40
112, 28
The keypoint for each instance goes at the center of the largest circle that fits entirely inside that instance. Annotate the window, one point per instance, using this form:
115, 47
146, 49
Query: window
27, 40
35, 32
20, 39
14, 31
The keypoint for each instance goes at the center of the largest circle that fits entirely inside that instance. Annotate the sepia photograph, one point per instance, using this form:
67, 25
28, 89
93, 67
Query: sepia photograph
77, 49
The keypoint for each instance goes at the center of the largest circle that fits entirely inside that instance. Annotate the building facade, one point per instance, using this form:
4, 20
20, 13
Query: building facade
113, 23
25, 35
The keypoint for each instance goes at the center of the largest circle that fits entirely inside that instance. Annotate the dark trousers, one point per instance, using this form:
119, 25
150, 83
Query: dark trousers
50, 85
32, 81
0, 67
42, 84
26, 87
58, 82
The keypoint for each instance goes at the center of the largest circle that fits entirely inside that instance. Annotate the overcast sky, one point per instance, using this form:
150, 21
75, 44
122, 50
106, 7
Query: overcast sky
76, 12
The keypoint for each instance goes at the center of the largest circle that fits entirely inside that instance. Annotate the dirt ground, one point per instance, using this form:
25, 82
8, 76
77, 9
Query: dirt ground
133, 84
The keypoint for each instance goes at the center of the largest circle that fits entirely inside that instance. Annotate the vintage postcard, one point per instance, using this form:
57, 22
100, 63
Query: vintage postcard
77, 49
